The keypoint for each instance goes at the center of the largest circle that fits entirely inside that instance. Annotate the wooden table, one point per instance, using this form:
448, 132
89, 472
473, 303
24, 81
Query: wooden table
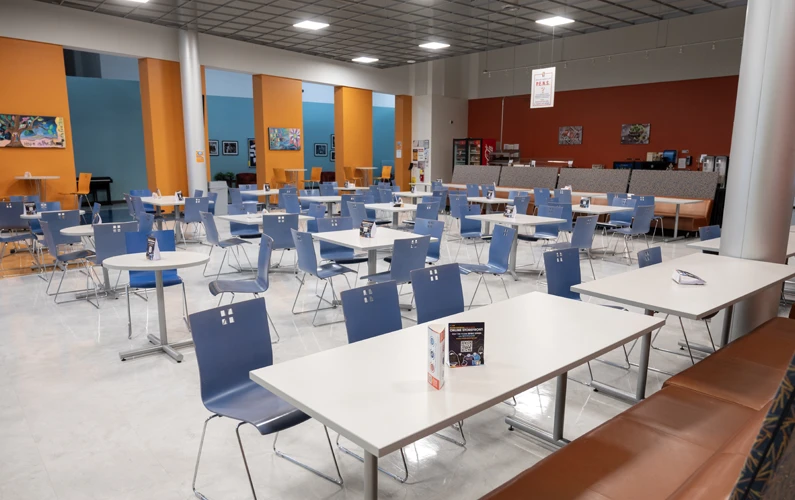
368, 173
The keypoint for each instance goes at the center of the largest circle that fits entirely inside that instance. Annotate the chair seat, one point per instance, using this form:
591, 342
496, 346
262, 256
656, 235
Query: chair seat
379, 222
332, 269
472, 234
561, 245
481, 269
146, 279
537, 236
231, 242
10, 238
248, 235
613, 224
237, 286
380, 277
344, 256
79, 254
628, 231
253, 404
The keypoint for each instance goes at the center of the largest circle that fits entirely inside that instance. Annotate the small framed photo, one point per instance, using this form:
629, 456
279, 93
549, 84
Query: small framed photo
213, 147
333, 142
321, 149
229, 148
333, 155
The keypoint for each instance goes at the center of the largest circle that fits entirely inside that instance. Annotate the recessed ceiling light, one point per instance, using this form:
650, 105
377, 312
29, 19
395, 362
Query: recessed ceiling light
434, 45
555, 21
364, 60
139, 1
310, 25
411, 61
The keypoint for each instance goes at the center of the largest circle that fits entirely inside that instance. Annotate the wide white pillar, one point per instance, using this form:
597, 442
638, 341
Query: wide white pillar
759, 191
192, 110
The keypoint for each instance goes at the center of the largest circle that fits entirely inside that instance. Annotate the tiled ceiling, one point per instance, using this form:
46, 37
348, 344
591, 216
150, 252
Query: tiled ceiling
391, 30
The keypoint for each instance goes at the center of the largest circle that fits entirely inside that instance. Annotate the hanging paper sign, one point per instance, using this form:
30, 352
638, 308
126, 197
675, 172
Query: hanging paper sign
543, 88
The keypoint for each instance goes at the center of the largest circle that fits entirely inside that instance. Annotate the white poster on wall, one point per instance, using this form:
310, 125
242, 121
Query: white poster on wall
543, 88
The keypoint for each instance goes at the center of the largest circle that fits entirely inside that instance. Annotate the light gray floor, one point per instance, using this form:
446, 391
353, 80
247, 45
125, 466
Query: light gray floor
77, 423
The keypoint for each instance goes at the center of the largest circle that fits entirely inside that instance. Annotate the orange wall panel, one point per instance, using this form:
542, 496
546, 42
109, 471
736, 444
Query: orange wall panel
403, 136
353, 129
35, 84
277, 104
164, 132
206, 127
696, 115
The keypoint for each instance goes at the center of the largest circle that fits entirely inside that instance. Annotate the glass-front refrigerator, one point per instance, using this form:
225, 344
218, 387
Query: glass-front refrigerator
475, 149
460, 156
467, 152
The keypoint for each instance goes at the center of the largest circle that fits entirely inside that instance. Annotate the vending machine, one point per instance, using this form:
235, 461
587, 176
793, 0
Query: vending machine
471, 151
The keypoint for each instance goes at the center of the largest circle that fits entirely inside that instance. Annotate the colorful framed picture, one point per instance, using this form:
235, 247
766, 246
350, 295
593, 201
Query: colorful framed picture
635, 133
333, 155
333, 141
252, 154
284, 139
29, 131
321, 149
213, 148
229, 148
570, 135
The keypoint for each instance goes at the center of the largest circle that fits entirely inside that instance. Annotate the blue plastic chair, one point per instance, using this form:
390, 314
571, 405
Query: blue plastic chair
359, 213
425, 210
215, 241
193, 210
441, 193
304, 203
512, 194
545, 232
198, 193
457, 202
145, 222
138, 206
581, 238
290, 203
239, 229
27, 198
44, 206
565, 213
521, 203
473, 191
470, 229
235, 198
307, 263
485, 188
385, 195
541, 197
657, 219
438, 292
562, 196
279, 227
316, 211
408, 254
144, 193
18, 229
327, 190
621, 219
110, 241
231, 341
499, 255
337, 253
641, 225
612, 196
213, 200
248, 198
706, 233
345, 199
51, 228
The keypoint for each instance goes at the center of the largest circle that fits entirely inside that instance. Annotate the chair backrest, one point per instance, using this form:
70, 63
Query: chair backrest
409, 254
198, 193
130, 208
213, 196
304, 203
138, 205
427, 211
386, 172
357, 212
327, 190
95, 208
612, 196
194, 207
484, 189
514, 193
541, 196
315, 175
521, 203
317, 210
645, 200
332, 183
473, 191
42, 206
385, 195
371, 310
469, 225
237, 228
649, 257
625, 217
441, 194
136, 242
264, 261
210, 228
231, 341
641, 224
583, 233
145, 222
235, 197
552, 211
500, 248
344, 199
437, 292
62, 220
109, 239
143, 193
373, 190
563, 272
708, 233
563, 196
290, 202
395, 188
458, 201
437, 185
285, 192
9, 216
84, 183
327, 250
435, 229
307, 259
565, 213
279, 228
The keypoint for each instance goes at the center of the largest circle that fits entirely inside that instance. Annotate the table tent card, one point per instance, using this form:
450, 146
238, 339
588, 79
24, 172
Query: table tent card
585, 202
266, 187
96, 219
178, 196
436, 351
349, 185
413, 188
367, 229
157, 194
490, 194
466, 344
686, 278
29, 208
397, 201
510, 211
152, 248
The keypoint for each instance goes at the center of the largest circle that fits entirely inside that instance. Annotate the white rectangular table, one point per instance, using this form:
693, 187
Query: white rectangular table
425, 185
385, 404
262, 192
328, 200
384, 238
517, 222
413, 196
599, 209
255, 219
489, 203
39, 182
729, 280
713, 245
395, 211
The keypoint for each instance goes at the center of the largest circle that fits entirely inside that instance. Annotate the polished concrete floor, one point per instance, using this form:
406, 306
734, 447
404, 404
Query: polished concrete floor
77, 423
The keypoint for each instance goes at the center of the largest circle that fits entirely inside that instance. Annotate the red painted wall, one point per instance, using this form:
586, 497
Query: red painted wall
693, 114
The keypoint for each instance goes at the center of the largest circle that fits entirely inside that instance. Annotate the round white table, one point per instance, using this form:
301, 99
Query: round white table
37, 215
40, 182
83, 231
168, 260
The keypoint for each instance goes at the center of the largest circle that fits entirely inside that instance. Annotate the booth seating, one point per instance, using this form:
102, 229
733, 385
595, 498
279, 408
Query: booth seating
714, 430
691, 216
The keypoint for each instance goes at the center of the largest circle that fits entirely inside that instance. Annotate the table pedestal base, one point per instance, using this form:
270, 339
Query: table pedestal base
643, 371
556, 436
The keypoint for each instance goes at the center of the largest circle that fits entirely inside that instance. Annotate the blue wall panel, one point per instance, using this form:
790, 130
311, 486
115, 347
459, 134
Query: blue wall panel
383, 138
230, 119
318, 127
108, 131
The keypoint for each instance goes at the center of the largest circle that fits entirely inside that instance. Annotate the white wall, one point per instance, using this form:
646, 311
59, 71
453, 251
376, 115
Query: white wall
449, 122
76, 29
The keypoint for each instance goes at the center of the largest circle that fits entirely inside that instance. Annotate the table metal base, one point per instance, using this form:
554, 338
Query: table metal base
556, 436
643, 371
676, 227
370, 476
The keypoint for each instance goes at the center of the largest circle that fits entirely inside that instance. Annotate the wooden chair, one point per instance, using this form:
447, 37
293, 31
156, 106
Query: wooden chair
386, 173
314, 179
352, 174
279, 177
83, 188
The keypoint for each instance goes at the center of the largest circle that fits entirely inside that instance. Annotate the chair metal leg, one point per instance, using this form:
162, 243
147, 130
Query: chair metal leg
197, 493
245, 462
390, 474
476, 292
338, 480
590, 261
504, 286
460, 428
687, 343
186, 313
129, 314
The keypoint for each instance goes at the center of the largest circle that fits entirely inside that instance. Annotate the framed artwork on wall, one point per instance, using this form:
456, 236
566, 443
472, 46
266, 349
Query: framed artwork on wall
635, 133
333, 141
229, 148
252, 154
321, 149
29, 131
333, 155
570, 135
213, 147
284, 139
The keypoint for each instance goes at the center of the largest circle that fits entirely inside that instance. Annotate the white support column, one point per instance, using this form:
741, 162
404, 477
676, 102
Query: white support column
192, 110
762, 170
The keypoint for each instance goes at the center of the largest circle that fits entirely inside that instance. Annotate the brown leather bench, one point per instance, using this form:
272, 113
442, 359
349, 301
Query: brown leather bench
688, 441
